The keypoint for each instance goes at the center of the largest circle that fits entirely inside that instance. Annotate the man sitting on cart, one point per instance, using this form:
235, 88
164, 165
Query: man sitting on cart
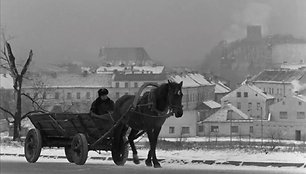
103, 106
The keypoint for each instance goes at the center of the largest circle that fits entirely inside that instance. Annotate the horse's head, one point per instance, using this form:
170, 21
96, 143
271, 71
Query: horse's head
175, 96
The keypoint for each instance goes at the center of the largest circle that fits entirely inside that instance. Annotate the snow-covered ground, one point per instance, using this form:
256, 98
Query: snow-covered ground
187, 155
183, 155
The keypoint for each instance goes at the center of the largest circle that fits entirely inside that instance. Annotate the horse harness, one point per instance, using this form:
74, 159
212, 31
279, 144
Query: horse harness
151, 103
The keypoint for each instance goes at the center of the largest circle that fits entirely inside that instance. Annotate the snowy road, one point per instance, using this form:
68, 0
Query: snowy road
16, 165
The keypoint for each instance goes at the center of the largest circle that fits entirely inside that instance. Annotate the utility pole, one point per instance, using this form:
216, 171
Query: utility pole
230, 112
261, 123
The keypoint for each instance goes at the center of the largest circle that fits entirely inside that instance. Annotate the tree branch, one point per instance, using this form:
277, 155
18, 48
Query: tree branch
26, 66
11, 59
31, 112
7, 111
35, 102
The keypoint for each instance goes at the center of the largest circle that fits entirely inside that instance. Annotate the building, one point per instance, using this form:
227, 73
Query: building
196, 89
125, 56
227, 121
287, 120
129, 83
6, 92
279, 83
205, 110
221, 90
250, 100
67, 89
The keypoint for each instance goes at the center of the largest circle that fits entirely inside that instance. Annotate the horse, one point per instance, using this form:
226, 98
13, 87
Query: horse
152, 110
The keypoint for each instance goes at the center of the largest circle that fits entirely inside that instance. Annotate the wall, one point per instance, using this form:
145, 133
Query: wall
224, 128
189, 119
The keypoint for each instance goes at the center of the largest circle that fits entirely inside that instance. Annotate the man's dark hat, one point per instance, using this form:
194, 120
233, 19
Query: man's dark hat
102, 91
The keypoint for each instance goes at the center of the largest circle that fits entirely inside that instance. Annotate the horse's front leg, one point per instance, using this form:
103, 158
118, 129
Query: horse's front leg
153, 137
131, 137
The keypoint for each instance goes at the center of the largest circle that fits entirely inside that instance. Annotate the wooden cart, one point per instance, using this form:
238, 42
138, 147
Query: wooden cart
77, 133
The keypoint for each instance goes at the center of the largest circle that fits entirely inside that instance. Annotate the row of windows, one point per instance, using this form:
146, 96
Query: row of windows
126, 85
185, 130
245, 94
278, 91
233, 129
57, 95
284, 115
258, 106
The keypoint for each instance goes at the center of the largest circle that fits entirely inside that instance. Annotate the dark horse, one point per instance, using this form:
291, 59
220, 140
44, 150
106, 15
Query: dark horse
152, 110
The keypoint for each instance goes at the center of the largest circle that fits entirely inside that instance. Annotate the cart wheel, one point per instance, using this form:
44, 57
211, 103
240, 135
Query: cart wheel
69, 153
79, 147
120, 157
32, 145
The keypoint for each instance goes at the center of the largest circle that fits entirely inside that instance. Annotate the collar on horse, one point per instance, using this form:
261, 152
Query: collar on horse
151, 104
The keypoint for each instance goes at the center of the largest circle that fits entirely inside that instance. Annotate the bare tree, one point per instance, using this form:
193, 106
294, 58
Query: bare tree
9, 64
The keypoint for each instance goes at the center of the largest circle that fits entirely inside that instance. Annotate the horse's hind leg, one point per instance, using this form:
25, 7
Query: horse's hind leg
131, 138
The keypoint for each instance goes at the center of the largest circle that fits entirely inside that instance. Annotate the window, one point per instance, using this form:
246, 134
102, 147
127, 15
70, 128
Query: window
136, 85
56, 95
185, 130
171, 130
69, 95
214, 129
201, 128
251, 129
126, 93
250, 106
117, 95
258, 106
238, 105
234, 129
88, 95
238, 94
300, 103
245, 94
117, 84
283, 115
300, 115
78, 95
126, 84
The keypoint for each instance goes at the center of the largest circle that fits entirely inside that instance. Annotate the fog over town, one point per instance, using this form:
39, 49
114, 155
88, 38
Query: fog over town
176, 32
125, 86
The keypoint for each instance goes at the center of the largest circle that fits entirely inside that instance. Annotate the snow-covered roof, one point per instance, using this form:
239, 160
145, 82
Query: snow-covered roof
187, 81
220, 88
300, 97
212, 104
104, 69
134, 69
199, 79
222, 114
6, 81
153, 69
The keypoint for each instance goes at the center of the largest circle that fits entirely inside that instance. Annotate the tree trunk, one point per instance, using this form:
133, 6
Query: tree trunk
17, 119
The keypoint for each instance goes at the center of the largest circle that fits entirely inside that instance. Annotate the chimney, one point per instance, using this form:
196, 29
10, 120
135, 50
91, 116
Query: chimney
254, 33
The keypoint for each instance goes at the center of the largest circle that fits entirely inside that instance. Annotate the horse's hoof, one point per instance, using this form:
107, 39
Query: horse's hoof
157, 165
136, 159
148, 163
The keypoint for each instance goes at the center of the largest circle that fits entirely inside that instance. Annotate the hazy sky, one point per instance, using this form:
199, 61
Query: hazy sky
177, 32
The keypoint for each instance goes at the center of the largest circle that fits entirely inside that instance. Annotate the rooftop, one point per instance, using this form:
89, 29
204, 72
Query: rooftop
279, 75
222, 115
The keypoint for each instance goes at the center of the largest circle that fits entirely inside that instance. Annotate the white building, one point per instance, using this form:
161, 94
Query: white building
250, 100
